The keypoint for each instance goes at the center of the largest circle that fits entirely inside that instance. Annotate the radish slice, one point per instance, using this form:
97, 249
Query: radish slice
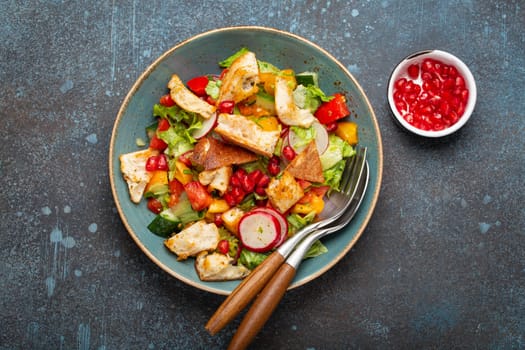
207, 126
321, 139
282, 222
259, 231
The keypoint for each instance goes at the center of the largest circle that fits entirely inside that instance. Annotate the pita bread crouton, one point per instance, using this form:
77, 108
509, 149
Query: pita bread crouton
218, 267
307, 165
283, 191
186, 100
246, 133
211, 153
133, 168
241, 79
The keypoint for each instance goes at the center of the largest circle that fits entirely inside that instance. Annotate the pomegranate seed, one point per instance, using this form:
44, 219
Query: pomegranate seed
427, 66
240, 173
413, 71
217, 220
426, 76
263, 181
226, 107
449, 84
273, 168
230, 199
464, 95
235, 181
400, 83
401, 107
398, 96
260, 191
289, 153
238, 194
247, 184
331, 127
460, 82
256, 175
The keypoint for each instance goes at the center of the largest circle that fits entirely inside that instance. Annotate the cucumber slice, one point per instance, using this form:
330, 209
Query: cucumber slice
307, 78
165, 224
157, 190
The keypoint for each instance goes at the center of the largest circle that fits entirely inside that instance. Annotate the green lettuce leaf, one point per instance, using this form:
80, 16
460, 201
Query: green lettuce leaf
212, 89
228, 61
251, 259
337, 149
266, 67
304, 136
316, 249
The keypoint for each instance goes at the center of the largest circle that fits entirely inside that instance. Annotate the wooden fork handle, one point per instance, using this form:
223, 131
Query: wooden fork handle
244, 293
262, 308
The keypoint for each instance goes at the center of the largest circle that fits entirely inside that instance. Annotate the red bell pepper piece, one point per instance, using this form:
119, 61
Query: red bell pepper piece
198, 195
332, 110
198, 85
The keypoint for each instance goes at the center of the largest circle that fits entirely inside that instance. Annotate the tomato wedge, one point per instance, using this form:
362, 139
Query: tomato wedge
332, 110
166, 101
157, 143
199, 197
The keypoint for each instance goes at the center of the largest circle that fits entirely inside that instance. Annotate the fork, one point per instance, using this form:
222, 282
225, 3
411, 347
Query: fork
257, 279
273, 292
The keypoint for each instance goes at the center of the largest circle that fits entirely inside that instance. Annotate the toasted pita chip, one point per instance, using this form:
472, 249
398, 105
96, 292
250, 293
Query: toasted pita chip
307, 165
241, 79
211, 153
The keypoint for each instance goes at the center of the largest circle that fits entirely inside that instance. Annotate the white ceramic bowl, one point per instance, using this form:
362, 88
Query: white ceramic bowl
417, 58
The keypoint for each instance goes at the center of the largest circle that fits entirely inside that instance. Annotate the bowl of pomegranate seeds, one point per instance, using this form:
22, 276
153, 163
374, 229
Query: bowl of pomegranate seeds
432, 93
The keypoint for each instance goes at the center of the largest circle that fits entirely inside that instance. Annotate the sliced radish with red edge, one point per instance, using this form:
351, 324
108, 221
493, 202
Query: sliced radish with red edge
321, 139
207, 126
259, 231
282, 222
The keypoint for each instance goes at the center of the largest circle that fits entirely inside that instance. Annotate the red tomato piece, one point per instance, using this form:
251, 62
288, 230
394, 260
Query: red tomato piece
162, 162
175, 190
223, 246
157, 143
198, 195
166, 101
198, 85
151, 163
332, 110
175, 187
154, 205
164, 124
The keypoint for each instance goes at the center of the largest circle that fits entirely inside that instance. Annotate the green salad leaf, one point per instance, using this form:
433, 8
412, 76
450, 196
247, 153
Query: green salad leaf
251, 259
226, 63
316, 249
182, 124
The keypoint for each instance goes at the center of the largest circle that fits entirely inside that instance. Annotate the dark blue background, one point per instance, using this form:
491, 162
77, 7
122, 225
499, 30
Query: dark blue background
441, 264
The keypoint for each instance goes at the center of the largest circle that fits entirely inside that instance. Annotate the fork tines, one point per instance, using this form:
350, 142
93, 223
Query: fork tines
353, 171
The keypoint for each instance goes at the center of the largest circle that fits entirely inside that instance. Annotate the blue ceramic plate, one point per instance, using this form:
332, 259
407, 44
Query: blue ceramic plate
200, 55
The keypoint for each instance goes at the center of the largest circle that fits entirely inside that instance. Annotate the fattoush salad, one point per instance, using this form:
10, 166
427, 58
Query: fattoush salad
237, 162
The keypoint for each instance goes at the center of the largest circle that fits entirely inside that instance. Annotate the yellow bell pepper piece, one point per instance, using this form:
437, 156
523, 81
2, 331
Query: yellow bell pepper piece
218, 206
348, 132
159, 177
268, 80
315, 203
182, 173
268, 123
